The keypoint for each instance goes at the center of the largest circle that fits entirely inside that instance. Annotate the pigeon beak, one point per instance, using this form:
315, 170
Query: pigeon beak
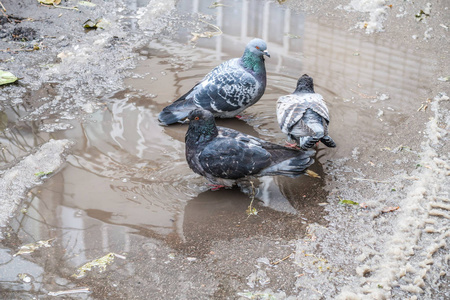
266, 53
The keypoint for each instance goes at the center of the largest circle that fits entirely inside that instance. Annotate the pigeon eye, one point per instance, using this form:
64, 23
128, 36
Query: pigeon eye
257, 47
196, 118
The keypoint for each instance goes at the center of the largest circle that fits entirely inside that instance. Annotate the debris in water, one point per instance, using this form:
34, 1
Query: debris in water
206, 34
29, 248
390, 209
217, 4
424, 13
68, 292
87, 3
7, 77
99, 23
24, 277
101, 263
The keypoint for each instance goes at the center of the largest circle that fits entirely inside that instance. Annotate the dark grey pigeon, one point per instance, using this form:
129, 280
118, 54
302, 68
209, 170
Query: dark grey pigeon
224, 155
227, 90
303, 115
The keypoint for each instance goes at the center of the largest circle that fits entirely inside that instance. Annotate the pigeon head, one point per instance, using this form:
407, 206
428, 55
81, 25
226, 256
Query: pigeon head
253, 57
305, 84
257, 47
202, 123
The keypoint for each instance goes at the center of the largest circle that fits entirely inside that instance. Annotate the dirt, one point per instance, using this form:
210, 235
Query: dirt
85, 163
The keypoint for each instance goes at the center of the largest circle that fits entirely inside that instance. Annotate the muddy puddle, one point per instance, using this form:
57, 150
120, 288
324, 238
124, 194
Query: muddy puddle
126, 182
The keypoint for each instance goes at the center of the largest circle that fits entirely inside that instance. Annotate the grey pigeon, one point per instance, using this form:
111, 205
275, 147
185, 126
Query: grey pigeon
303, 115
227, 90
224, 155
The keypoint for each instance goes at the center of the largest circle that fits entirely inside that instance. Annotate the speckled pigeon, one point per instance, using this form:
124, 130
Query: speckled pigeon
303, 115
224, 155
227, 90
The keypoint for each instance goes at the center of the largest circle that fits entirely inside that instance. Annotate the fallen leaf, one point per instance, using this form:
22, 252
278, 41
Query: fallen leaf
100, 263
390, 209
29, 248
312, 174
7, 77
348, 202
343, 201
50, 2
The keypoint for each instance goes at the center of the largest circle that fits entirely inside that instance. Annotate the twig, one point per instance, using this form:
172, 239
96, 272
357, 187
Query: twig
251, 210
371, 180
283, 259
206, 34
67, 292
4, 9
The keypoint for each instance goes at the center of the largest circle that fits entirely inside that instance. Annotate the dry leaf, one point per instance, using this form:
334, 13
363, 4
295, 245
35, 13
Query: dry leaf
390, 209
312, 174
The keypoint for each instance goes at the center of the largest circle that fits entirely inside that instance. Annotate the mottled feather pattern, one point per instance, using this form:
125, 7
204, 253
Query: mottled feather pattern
303, 115
220, 153
228, 88
291, 108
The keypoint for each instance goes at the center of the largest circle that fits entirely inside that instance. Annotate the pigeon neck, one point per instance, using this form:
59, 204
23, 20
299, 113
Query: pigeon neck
253, 62
304, 88
203, 133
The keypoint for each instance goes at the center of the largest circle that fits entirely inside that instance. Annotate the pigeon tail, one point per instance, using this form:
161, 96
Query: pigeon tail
176, 112
292, 167
308, 142
328, 141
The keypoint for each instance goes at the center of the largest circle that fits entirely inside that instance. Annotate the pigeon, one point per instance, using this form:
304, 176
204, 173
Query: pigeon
227, 90
303, 115
224, 156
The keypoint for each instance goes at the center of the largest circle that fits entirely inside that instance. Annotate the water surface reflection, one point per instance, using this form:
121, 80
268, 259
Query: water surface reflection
127, 176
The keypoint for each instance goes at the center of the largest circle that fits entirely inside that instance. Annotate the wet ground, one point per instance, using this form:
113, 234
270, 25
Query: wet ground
86, 165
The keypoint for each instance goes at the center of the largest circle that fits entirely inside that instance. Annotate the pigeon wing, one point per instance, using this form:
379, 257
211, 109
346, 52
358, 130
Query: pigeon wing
227, 87
318, 105
291, 108
231, 158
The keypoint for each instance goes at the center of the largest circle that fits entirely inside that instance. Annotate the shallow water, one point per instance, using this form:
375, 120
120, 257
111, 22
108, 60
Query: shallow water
127, 176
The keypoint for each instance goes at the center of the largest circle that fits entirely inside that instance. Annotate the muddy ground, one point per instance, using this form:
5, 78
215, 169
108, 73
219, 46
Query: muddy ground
86, 167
